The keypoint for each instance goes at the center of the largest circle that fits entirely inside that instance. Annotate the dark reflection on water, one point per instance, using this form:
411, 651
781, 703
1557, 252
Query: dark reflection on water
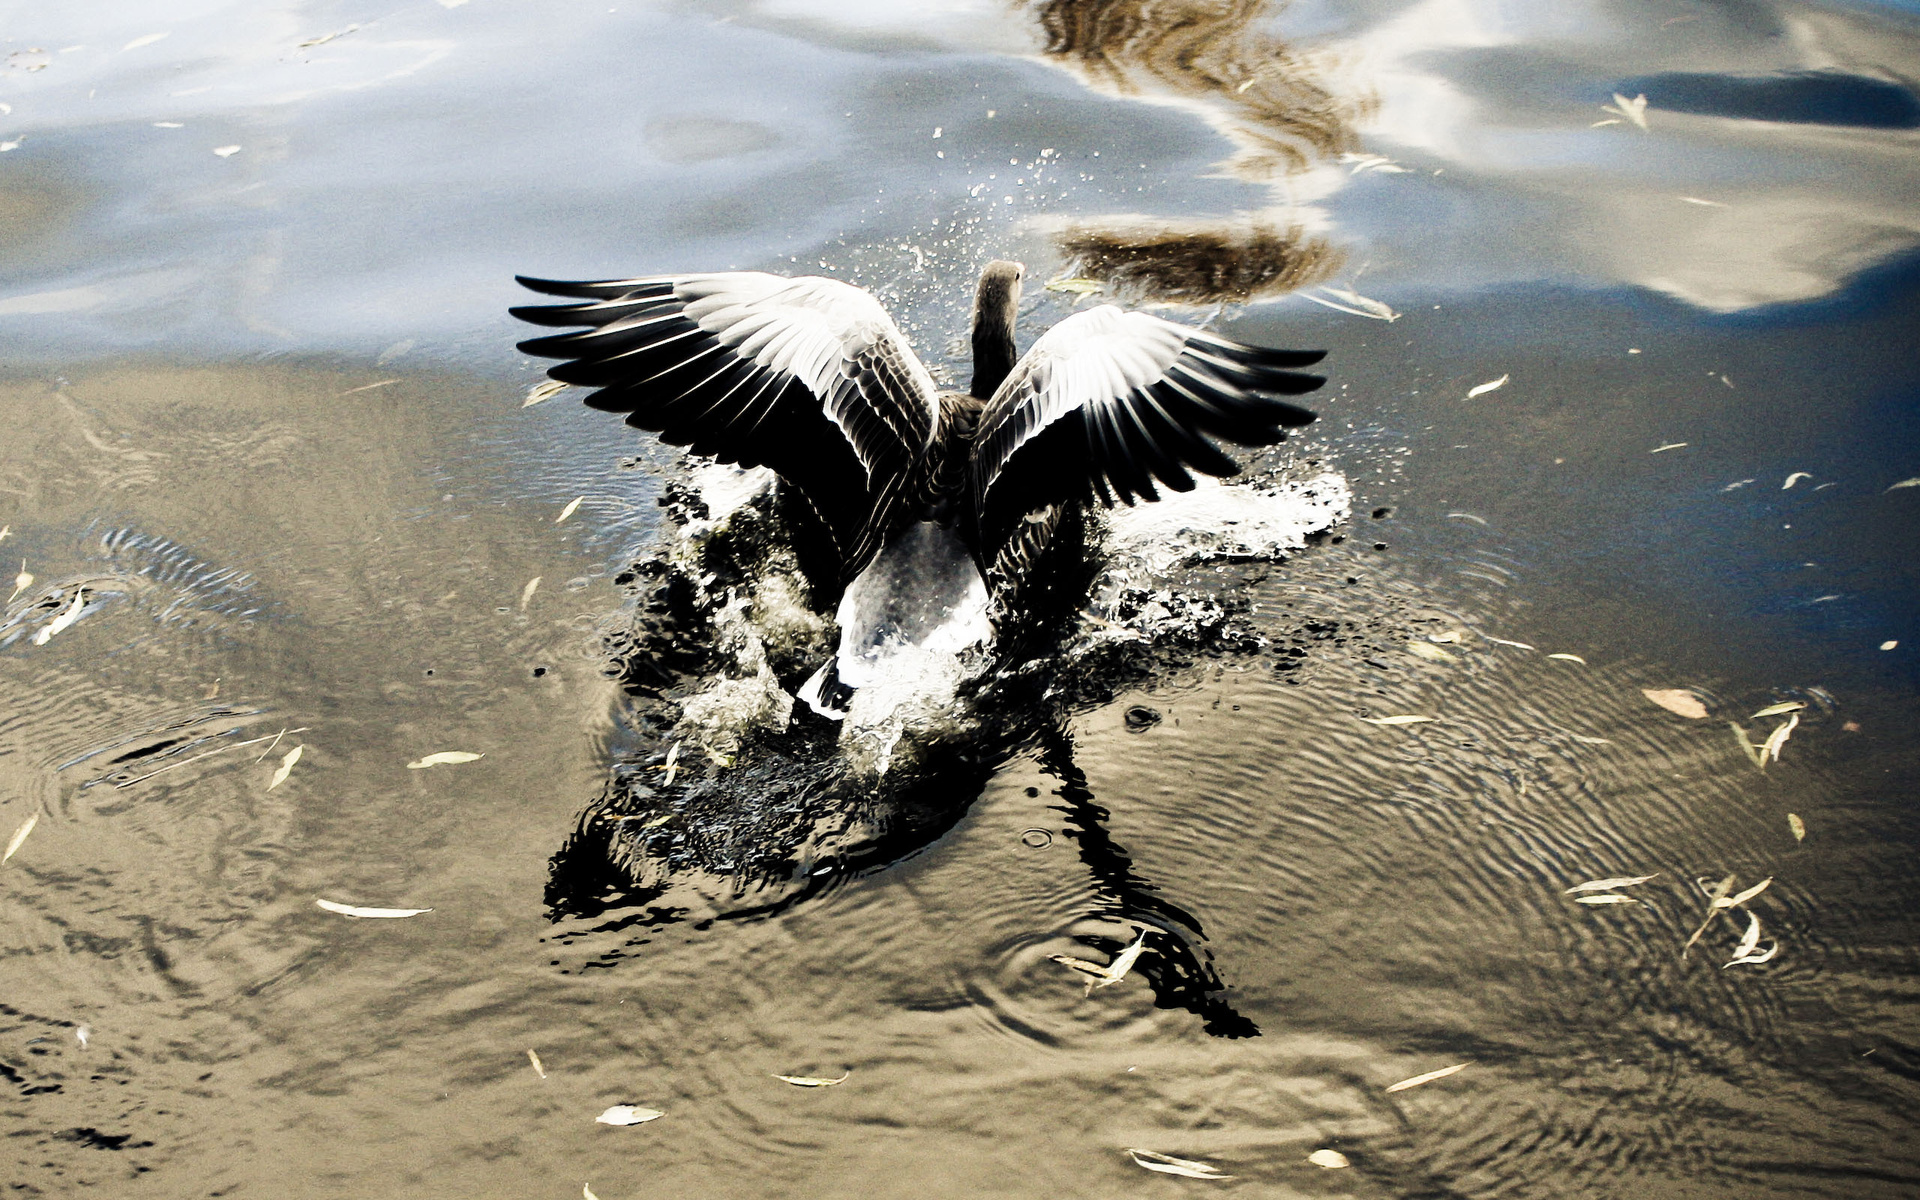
1810, 97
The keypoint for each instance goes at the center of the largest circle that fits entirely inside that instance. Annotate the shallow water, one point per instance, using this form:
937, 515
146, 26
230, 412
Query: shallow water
264, 415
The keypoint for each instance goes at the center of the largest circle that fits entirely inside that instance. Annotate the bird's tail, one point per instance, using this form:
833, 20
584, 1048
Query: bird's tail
825, 693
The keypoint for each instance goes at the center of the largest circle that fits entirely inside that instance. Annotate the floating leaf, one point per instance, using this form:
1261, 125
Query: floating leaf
1764, 956
1476, 521
1798, 826
286, 767
1569, 658
1429, 1077
1751, 939
569, 509
1079, 287
544, 391
1715, 902
672, 765
586, 1192
83, 1035
1905, 483
1401, 720
61, 622
1605, 898
1780, 709
1743, 897
813, 1080
1332, 1160
1746, 746
1430, 652
354, 910
1777, 739
526, 593
1889, 645
21, 582
627, 1114
443, 758
1591, 741
1668, 446
1492, 385
539, 1068
226, 151
1166, 1164
1451, 637
1110, 974
1607, 885
1794, 478
1676, 700
19, 837
1504, 642
1634, 110
1354, 303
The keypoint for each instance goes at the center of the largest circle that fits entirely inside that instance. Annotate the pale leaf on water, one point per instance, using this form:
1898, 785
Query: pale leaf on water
1400, 720
1605, 898
813, 1080
355, 910
1741, 898
1677, 700
226, 151
1591, 741
21, 582
1080, 287
1569, 658
19, 837
286, 767
1780, 709
1167, 1164
544, 391
1716, 900
443, 758
1668, 446
539, 1068
1430, 652
1098, 970
1634, 110
1778, 738
1504, 642
1105, 976
61, 622
628, 1114
586, 1192
672, 765
569, 509
1894, 645
1464, 516
1429, 1077
1764, 956
1749, 940
1746, 745
1332, 1160
1906, 483
1798, 827
526, 593
1451, 637
1794, 478
1607, 885
1362, 305
1492, 385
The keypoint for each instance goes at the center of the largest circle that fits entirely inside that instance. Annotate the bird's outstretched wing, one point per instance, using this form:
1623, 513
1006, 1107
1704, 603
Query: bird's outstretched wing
1107, 402
808, 376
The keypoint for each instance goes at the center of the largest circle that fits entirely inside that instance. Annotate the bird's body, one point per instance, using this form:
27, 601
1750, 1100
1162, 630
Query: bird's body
927, 514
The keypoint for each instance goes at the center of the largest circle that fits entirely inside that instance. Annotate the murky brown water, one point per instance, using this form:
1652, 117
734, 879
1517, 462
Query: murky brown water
263, 415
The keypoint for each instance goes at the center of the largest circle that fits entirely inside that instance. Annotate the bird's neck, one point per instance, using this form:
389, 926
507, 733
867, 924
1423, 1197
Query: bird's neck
993, 355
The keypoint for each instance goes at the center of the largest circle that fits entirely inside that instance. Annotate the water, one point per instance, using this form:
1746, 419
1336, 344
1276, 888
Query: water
263, 414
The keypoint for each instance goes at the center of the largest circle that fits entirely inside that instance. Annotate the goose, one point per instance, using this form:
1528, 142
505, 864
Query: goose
930, 510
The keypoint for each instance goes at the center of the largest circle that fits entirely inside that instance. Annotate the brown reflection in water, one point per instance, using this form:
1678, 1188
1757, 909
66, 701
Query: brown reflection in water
1267, 99
1198, 262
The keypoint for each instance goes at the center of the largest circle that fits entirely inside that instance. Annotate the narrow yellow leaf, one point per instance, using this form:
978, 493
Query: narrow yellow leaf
21, 582
1569, 658
628, 1114
1083, 287
1504, 642
1777, 739
1166, 1164
66, 618
19, 837
1677, 700
1591, 741
1331, 1160
811, 1081
1716, 900
586, 1192
1780, 709
539, 1068
1431, 652
544, 391
1490, 386
1905, 483
569, 509
355, 910
286, 767
443, 758
1750, 893
1607, 885
226, 151
526, 593
1605, 898
1798, 826
1751, 939
1401, 720
1429, 1077
1668, 446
